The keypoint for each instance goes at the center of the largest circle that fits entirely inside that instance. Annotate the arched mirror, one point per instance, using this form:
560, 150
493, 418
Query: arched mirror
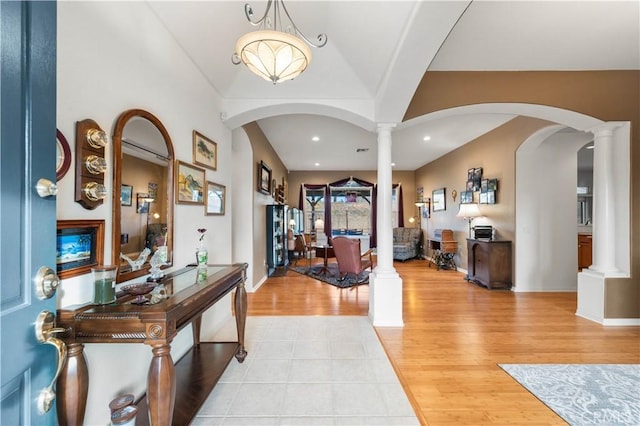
143, 193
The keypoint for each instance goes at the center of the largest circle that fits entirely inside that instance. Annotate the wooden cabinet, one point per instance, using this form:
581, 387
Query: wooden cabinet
489, 263
584, 251
277, 255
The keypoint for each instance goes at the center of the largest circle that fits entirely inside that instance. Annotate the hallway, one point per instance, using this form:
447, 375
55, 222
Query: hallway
456, 333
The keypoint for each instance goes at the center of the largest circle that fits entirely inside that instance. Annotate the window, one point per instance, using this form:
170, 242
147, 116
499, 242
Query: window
313, 207
351, 209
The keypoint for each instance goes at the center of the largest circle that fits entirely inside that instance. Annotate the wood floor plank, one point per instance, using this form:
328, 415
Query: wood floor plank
456, 334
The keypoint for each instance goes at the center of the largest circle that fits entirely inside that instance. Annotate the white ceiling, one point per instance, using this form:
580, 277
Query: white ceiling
377, 53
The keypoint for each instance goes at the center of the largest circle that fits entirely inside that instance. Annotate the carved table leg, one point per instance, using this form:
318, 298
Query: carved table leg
161, 386
240, 300
195, 328
72, 387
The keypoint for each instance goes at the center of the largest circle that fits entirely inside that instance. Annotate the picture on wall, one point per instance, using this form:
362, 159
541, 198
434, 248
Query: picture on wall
205, 151
126, 194
466, 197
215, 196
190, 181
439, 200
264, 178
79, 246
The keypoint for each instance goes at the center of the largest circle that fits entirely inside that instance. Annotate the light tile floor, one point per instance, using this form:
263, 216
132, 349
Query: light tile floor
308, 371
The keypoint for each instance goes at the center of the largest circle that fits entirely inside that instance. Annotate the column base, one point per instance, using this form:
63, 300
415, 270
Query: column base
385, 299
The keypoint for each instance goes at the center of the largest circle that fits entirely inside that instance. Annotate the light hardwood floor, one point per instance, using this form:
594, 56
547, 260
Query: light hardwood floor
456, 334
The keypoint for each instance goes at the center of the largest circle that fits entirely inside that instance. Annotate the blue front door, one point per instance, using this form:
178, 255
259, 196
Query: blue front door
27, 221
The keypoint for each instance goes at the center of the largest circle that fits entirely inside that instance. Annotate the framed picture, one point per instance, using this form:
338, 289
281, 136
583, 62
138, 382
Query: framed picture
126, 192
439, 200
79, 246
205, 151
492, 185
142, 202
264, 178
466, 197
214, 199
190, 181
491, 197
483, 198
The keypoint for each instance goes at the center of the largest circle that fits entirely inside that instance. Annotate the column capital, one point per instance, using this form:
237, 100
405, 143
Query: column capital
385, 126
605, 129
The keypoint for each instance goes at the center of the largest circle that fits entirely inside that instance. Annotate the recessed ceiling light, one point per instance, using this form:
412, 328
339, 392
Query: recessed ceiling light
426, 138
316, 164
315, 138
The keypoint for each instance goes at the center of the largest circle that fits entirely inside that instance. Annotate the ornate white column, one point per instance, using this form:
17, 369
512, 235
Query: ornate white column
611, 202
385, 285
604, 231
385, 227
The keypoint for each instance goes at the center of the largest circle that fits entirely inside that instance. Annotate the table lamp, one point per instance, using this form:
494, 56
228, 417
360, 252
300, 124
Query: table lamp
469, 212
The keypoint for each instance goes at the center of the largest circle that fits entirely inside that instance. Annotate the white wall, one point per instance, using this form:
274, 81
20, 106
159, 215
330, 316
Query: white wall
243, 203
546, 178
114, 56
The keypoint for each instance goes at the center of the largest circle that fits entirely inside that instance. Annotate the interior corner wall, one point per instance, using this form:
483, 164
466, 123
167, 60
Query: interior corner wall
608, 95
262, 151
243, 244
112, 57
495, 153
546, 178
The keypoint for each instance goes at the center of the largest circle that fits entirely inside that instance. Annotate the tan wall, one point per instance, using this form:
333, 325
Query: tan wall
494, 152
262, 151
606, 95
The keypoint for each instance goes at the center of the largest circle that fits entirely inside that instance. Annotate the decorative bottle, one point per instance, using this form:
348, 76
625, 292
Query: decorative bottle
202, 254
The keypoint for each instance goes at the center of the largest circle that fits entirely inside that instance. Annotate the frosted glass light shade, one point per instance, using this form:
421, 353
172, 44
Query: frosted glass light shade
275, 56
468, 211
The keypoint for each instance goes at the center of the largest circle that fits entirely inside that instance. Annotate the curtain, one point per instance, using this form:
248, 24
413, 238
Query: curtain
301, 202
400, 205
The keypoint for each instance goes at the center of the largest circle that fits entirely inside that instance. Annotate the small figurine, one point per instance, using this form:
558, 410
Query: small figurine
158, 259
137, 264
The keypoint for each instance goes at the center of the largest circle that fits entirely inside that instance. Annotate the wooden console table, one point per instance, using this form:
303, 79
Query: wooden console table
183, 386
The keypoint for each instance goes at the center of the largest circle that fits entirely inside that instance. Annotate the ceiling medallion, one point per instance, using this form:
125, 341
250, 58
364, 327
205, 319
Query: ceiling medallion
275, 52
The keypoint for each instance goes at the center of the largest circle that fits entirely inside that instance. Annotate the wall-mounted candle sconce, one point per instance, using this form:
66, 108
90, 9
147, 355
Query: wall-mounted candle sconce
91, 165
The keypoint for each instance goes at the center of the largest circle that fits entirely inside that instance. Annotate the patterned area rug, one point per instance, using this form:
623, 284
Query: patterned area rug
584, 394
331, 276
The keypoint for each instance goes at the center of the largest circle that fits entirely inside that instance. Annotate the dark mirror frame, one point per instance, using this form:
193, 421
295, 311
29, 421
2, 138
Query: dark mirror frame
121, 122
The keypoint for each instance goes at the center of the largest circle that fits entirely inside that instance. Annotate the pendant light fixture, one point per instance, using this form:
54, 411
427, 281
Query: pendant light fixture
278, 51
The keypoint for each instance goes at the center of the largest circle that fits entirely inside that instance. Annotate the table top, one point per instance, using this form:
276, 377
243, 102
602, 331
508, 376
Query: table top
189, 292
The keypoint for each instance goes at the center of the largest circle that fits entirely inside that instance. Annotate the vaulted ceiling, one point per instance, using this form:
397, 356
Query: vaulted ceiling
375, 57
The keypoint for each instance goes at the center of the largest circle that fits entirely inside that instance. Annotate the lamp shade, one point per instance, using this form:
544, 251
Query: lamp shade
275, 56
319, 224
470, 210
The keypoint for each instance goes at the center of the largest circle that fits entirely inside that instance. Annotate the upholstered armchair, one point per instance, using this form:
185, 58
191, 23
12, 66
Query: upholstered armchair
406, 243
350, 259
